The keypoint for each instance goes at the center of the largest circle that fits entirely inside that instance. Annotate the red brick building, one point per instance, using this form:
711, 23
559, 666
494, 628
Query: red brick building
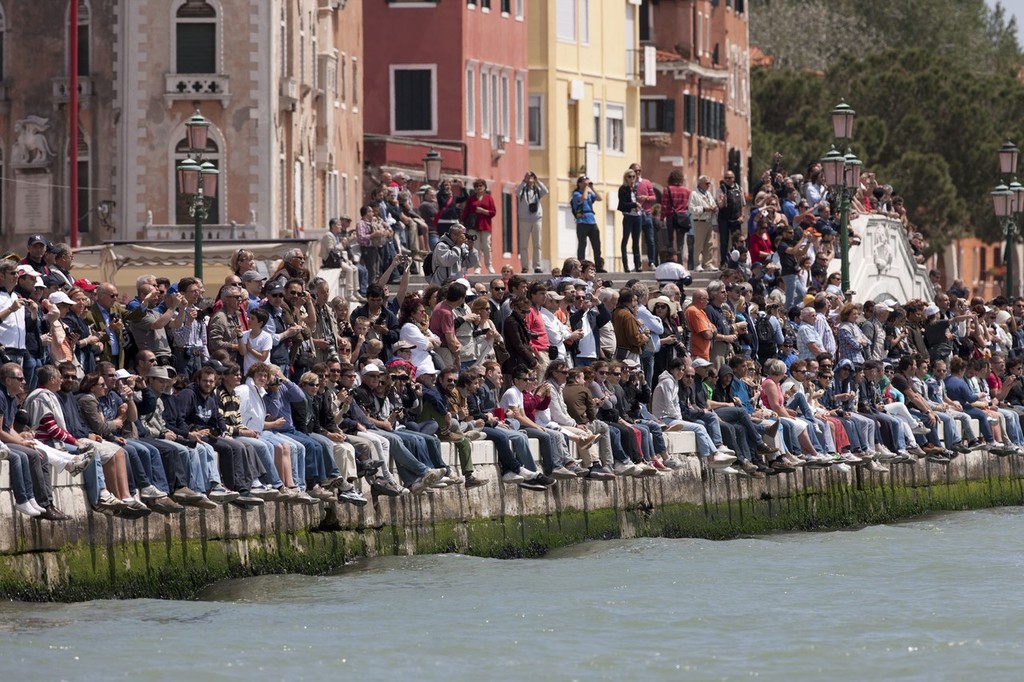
450, 76
697, 118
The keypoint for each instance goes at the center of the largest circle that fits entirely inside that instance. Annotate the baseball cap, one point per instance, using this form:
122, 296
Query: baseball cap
58, 297
275, 289
554, 296
930, 310
371, 368
700, 362
122, 374
253, 276
402, 345
631, 363
85, 285
37, 239
24, 270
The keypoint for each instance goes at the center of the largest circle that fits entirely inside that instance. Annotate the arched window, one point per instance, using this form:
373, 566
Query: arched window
181, 202
196, 33
3, 35
85, 199
84, 25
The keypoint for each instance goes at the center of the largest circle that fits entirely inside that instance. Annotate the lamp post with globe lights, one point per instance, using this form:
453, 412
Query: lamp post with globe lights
197, 180
842, 173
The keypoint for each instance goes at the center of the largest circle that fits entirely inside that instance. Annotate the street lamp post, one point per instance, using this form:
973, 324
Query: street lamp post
432, 167
197, 180
842, 128
1008, 201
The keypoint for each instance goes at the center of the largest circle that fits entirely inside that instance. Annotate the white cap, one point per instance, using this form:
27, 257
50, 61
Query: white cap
122, 374
59, 297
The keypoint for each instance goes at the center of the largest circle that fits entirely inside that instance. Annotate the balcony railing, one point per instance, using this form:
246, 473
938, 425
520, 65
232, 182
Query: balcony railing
202, 86
62, 88
641, 66
577, 161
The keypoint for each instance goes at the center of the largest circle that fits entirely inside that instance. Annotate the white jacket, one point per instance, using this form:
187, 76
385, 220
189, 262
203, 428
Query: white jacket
251, 406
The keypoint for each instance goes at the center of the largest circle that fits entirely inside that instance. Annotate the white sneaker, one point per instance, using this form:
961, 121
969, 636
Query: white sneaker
150, 492
27, 509
512, 477
729, 471
722, 459
844, 467
699, 268
725, 450
876, 467
35, 505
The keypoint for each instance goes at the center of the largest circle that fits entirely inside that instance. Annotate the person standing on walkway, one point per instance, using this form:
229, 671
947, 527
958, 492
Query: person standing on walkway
730, 214
477, 214
530, 215
646, 197
582, 205
631, 220
703, 211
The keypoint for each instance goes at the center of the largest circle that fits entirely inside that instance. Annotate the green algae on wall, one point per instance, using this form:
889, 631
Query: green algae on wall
165, 566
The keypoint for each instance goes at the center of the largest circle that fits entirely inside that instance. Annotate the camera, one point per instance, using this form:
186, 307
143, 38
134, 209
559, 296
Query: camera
471, 237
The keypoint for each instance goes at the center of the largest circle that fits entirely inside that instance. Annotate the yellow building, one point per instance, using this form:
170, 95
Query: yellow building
586, 69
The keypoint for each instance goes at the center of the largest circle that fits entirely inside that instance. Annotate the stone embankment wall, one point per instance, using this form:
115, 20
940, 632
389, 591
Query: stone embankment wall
96, 556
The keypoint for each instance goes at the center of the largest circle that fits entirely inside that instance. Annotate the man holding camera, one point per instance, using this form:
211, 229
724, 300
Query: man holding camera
452, 257
529, 217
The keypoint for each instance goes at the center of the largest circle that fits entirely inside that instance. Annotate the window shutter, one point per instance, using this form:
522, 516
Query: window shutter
197, 48
690, 113
668, 115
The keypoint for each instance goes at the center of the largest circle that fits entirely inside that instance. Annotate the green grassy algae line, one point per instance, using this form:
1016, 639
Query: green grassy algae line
178, 569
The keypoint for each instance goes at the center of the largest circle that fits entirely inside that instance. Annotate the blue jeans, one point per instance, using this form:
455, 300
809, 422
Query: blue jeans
650, 246
146, 466
318, 462
409, 468
21, 476
265, 453
795, 290
431, 445
512, 448
630, 228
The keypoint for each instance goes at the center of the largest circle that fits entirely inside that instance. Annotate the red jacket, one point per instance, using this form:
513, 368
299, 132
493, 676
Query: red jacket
483, 220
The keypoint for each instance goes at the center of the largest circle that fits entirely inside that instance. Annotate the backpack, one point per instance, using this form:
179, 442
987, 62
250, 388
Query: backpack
428, 265
765, 332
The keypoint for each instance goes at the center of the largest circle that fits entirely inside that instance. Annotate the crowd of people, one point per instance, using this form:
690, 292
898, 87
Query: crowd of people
267, 388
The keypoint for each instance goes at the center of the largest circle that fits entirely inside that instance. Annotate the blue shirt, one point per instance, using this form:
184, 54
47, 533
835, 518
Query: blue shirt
583, 207
958, 390
740, 390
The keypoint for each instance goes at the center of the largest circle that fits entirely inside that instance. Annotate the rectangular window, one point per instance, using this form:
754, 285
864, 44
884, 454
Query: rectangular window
519, 9
485, 106
597, 124
505, 7
495, 123
196, 48
506, 222
657, 116
584, 19
689, 113
83, 51
485, 4
565, 20
344, 195
535, 120
519, 109
700, 34
615, 140
645, 21
470, 100
504, 106
355, 83
413, 106
342, 87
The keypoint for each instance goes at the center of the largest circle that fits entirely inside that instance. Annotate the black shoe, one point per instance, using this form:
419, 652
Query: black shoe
533, 484
523, 271
602, 271
536, 271
543, 480
51, 513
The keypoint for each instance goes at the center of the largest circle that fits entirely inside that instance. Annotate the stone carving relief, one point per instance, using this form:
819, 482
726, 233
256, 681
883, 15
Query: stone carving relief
32, 149
883, 247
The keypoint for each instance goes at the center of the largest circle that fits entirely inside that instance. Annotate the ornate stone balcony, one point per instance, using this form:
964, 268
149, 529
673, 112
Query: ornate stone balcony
196, 86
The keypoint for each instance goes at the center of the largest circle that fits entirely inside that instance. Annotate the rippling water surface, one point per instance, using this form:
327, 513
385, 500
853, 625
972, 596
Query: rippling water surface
938, 598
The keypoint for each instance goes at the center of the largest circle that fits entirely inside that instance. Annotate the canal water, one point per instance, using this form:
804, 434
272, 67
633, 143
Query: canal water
936, 598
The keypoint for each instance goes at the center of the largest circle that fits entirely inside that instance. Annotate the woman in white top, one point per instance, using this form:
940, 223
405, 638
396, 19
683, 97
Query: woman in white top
253, 411
414, 319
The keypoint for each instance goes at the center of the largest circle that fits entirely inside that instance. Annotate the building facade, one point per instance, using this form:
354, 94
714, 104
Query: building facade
586, 69
696, 117
279, 81
449, 76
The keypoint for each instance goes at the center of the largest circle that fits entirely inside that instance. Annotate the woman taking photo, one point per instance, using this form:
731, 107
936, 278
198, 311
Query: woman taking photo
451, 196
631, 220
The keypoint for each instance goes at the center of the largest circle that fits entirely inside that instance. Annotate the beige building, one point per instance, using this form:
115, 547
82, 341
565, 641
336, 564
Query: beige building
586, 69
278, 80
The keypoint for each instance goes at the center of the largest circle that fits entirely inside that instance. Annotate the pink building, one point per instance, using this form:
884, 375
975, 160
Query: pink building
450, 76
